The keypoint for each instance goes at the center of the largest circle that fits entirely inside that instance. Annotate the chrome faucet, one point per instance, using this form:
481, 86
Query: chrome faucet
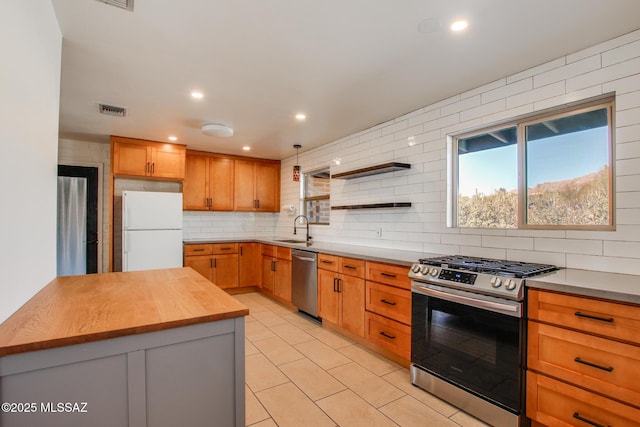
306, 221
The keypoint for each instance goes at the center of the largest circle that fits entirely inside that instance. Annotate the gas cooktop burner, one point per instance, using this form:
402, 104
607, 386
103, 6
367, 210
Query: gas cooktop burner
491, 266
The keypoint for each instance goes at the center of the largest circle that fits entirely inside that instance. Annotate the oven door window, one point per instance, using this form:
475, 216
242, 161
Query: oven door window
476, 349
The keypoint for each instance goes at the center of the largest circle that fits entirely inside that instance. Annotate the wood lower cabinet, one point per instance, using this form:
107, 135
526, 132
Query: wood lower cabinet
218, 262
208, 183
249, 264
276, 271
583, 361
149, 159
341, 292
388, 307
257, 186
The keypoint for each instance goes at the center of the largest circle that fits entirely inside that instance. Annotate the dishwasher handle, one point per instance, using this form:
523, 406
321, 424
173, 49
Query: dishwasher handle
304, 258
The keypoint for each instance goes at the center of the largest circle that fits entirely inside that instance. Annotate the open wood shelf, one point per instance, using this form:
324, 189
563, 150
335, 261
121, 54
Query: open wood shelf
372, 170
374, 206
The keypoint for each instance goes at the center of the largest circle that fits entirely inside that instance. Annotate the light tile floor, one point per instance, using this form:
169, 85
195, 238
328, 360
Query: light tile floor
300, 374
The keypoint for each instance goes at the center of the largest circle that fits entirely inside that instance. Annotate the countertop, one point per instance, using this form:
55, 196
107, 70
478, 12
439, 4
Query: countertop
612, 286
598, 284
392, 256
77, 309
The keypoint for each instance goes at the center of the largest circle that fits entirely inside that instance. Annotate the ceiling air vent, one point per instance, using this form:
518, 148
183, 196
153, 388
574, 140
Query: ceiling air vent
112, 110
122, 4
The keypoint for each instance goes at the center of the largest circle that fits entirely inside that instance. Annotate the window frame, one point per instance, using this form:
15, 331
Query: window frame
303, 194
606, 102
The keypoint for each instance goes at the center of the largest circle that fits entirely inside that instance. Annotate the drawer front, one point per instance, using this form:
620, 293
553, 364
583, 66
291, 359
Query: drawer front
554, 403
611, 367
225, 248
394, 275
329, 262
610, 319
199, 249
389, 302
352, 267
269, 250
393, 336
283, 252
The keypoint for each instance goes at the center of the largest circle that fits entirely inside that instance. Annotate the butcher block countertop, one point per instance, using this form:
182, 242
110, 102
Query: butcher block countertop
78, 309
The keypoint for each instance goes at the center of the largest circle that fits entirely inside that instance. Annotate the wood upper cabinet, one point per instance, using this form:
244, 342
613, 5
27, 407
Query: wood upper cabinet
150, 159
583, 357
257, 186
208, 183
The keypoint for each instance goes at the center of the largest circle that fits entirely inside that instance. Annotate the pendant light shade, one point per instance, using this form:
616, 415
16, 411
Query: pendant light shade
296, 168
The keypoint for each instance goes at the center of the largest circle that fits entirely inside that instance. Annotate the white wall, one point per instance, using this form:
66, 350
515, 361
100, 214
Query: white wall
613, 66
30, 42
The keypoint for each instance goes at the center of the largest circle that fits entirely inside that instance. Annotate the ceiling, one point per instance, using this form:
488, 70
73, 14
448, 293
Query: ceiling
347, 64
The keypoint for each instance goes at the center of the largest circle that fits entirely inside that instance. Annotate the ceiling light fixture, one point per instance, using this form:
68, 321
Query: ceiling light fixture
301, 116
173, 138
246, 148
459, 25
296, 168
197, 95
215, 129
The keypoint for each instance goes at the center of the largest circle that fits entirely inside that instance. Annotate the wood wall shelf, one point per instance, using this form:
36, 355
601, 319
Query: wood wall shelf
372, 170
374, 206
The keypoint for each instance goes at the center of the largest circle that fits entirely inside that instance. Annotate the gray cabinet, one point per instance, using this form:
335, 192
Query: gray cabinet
191, 376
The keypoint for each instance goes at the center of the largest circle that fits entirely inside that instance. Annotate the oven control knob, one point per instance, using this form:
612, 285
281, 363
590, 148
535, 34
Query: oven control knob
496, 282
425, 270
511, 285
434, 272
415, 268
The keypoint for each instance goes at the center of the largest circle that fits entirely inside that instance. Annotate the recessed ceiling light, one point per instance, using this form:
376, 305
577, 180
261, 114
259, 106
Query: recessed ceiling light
246, 148
459, 25
197, 95
301, 116
173, 138
215, 129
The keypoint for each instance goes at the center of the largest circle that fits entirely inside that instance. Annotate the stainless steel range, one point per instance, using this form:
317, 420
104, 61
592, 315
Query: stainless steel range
467, 334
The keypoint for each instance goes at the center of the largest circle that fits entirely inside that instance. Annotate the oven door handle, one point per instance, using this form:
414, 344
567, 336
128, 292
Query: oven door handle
498, 307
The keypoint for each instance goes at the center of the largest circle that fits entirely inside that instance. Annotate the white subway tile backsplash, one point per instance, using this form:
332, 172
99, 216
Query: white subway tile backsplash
621, 54
587, 247
570, 70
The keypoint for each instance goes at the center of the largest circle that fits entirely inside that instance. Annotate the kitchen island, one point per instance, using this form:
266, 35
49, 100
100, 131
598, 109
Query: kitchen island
157, 347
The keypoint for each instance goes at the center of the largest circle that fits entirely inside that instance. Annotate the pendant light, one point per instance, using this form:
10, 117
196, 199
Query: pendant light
296, 168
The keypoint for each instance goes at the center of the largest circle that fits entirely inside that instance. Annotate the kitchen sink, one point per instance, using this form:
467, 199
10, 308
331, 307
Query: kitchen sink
290, 241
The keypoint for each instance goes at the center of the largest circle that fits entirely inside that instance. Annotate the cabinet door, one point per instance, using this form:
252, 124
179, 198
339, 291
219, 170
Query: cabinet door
352, 304
221, 177
201, 264
167, 161
130, 159
283, 279
195, 188
267, 187
249, 263
243, 189
225, 271
328, 297
268, 276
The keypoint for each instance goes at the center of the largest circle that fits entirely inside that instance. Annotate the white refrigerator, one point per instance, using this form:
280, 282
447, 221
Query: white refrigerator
151, 230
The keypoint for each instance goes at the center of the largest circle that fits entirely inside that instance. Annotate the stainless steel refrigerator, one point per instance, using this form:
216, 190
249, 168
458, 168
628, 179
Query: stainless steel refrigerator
151, 230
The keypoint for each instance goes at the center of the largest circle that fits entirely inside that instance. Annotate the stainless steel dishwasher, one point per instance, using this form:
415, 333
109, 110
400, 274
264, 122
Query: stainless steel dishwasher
304, 281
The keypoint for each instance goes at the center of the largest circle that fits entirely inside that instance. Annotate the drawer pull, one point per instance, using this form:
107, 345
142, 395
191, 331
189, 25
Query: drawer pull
384, 334
384, 301
593, 365
324, 261
198, 250
577, 416
226, 248
350, 267
588, 316
393, 276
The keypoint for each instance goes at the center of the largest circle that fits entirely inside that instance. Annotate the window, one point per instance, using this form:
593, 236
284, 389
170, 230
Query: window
551, 171
316, 196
